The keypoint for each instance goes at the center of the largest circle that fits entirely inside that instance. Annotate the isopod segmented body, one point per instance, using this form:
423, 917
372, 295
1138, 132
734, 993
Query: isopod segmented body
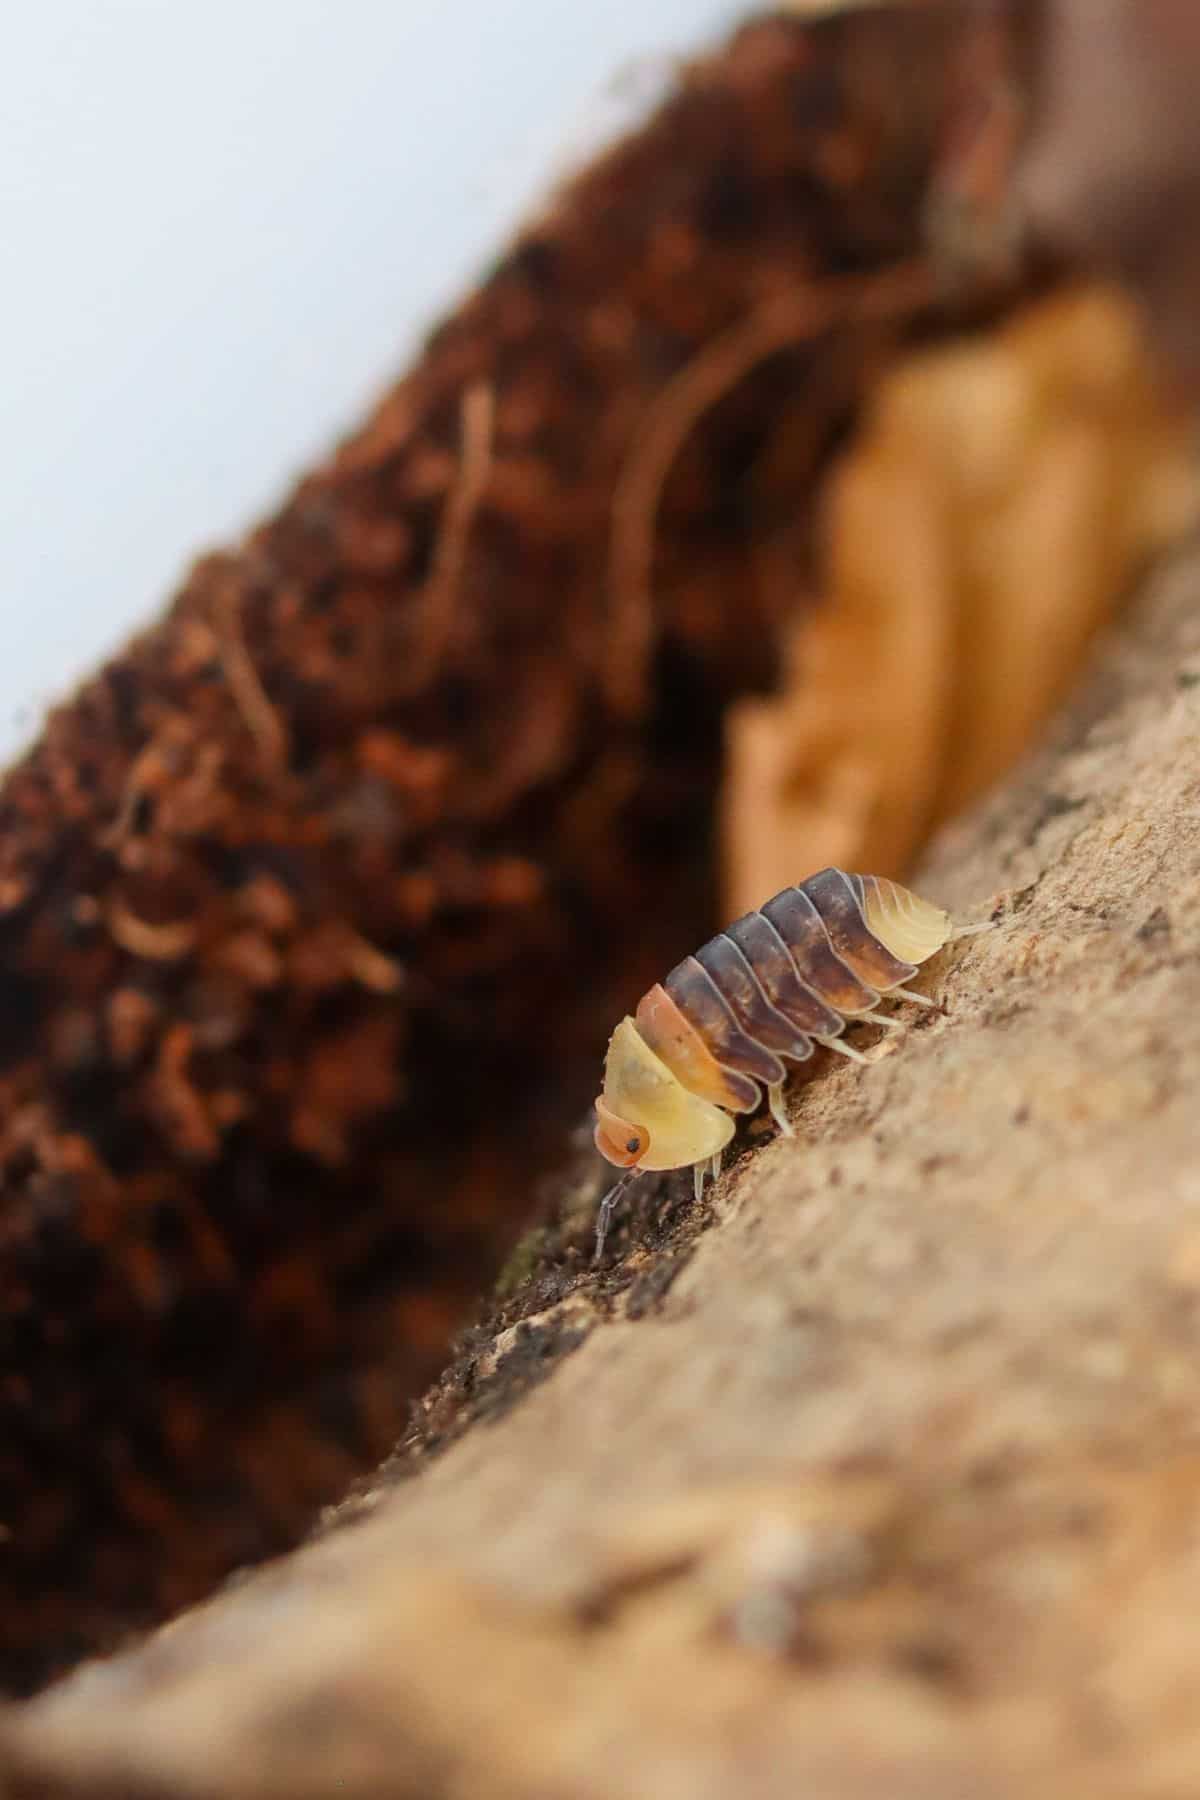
706, 1042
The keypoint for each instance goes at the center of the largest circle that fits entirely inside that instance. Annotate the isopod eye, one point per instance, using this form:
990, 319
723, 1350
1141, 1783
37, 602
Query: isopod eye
622, 1141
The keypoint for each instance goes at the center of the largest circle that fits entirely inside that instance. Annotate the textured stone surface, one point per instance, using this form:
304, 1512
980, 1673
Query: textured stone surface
894, 1487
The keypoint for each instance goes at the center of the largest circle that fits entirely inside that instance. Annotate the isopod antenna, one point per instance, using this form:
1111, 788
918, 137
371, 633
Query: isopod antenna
606, 1210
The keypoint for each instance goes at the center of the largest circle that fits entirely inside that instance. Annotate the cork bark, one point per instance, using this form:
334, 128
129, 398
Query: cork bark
879, 1474
316, 903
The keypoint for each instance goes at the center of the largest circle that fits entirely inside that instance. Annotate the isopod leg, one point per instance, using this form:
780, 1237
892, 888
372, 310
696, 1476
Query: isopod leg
903, 993
605, 1212
775, 1102
830, 1043
962, 931
877, 1018
699, 1171
714, 1167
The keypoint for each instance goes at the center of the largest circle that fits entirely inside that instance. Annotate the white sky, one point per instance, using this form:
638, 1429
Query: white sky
223, 225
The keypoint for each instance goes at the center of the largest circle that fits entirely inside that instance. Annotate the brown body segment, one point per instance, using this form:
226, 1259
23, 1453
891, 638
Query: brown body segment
840, 907
736, 980
686, 1053
777, 975
798, 923
701, 1002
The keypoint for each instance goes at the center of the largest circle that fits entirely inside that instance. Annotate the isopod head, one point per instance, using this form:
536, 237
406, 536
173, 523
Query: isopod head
619, 1140
645, 1117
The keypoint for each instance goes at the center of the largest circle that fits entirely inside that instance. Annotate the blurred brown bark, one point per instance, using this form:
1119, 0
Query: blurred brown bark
316, 905
1074, 132
886, 1483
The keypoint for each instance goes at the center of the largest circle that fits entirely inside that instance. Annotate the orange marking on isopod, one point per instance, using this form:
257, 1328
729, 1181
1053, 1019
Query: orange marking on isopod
689, 1058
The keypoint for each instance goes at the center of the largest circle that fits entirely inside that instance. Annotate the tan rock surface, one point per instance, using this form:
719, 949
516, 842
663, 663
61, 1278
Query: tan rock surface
894, 1489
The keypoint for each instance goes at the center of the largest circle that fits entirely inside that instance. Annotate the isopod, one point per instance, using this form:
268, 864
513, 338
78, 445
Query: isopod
706, 1042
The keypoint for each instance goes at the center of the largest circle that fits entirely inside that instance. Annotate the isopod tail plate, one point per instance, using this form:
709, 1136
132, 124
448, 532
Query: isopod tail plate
910, 928
838, 899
